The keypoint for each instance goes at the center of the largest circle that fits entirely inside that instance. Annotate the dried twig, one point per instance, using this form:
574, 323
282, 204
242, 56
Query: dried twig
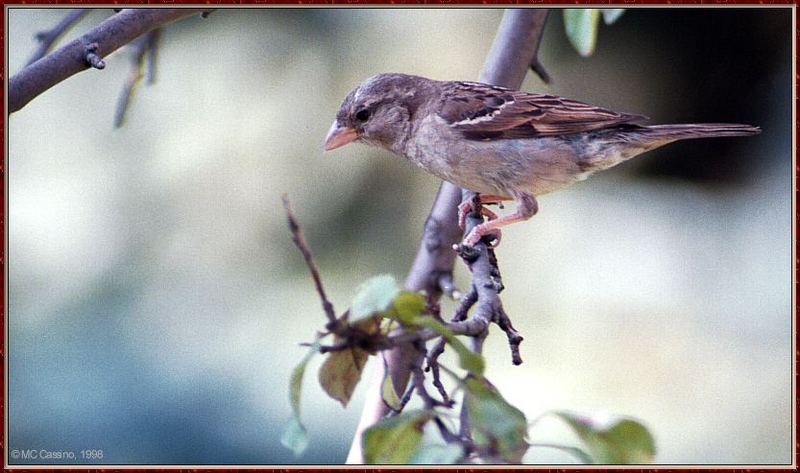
418, 377
514, 338
48, 38
300, 242
433, 355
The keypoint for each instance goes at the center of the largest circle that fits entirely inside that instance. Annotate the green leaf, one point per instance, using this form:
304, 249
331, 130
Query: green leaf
394, 440
581, 28
341, 372
388, 393
294, 435
408, 309
467, 359
578, 453
449, 454
610, 15
373, 296
612, 439
408, 306
498, 428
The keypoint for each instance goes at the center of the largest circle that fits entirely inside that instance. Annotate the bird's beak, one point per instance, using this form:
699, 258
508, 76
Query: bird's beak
339, 136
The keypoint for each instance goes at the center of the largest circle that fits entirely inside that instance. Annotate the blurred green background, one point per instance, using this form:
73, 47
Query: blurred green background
156, 302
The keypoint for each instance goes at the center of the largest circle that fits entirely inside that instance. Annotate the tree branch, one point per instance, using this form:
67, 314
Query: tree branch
48, 38
88, 50
514, 50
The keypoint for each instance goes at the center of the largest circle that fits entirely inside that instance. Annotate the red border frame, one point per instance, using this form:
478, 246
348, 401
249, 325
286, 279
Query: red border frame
498, 3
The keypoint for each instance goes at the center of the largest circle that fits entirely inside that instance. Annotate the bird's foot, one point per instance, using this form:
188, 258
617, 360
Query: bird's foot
481, 231
464, 209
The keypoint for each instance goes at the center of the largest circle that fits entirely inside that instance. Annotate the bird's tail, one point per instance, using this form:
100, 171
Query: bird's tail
699, 130
627, 141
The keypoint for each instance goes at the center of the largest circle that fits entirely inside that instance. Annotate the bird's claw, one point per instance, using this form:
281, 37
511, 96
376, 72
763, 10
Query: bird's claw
464, 209
479, 232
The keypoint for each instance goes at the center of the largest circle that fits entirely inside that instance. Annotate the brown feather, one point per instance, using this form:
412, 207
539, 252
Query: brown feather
481, 111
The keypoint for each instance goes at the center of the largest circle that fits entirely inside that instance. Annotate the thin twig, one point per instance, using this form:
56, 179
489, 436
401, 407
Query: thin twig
418, 379
514, 338
300, 242
142, 46
403, 400
48, 38
433, 355
155, 37
448, 436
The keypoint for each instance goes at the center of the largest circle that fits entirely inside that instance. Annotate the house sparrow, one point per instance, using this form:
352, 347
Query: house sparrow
503, 144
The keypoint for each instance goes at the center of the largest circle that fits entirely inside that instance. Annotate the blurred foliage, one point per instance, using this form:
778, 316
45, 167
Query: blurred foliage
496, 430
395, 440
613, 439
581, 26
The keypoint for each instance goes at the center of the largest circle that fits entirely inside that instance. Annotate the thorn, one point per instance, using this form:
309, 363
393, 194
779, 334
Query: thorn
538, 68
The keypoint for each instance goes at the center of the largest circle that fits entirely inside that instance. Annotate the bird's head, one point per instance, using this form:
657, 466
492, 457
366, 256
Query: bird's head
378, 112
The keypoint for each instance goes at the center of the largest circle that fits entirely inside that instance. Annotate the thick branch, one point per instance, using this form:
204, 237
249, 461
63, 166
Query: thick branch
513, 52
73, 57
514, 48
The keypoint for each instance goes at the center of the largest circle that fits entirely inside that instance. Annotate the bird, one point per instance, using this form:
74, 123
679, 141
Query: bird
501, 143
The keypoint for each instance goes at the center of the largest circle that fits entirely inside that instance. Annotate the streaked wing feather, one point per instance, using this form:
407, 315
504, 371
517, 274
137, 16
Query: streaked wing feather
482, 111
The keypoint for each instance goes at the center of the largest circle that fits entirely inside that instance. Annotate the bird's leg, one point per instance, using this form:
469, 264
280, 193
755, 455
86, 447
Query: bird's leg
464, 208
526, 208
467, 206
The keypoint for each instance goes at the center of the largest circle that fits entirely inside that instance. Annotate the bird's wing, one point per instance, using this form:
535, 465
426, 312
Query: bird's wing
482, 111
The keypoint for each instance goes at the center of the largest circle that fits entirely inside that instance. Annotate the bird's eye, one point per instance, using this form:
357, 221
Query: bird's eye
362, 115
